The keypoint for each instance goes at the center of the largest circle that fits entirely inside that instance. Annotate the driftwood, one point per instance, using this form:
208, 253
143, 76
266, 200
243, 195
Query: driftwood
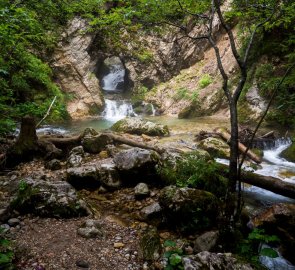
242, 148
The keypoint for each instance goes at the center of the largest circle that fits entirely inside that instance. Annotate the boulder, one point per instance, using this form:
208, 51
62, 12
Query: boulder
136, 164
188, 208
48, 199
206, 241
78, 150
53, 165
84, 177
96, 144
279, 220
141, 190
91, 229
108, 174
215, 147
152, 214
139, 126
74, 161
206, 260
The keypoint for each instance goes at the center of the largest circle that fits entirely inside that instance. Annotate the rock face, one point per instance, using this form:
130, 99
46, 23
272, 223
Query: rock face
48, 199
206, 260
188, 208
139, 127
289, 153
74, 70
215, 147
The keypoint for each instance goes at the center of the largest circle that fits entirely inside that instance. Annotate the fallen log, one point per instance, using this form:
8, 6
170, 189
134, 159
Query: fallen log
269, 183
242, 148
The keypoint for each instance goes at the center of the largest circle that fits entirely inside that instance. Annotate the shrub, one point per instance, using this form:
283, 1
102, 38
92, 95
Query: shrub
205, 81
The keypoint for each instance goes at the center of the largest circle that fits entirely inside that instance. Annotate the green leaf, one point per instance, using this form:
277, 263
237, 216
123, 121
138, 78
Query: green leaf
269, 252
175, 259
169, 243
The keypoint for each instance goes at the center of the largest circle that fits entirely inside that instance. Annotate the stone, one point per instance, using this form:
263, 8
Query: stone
53, 165
139, 126
84, 177
215, 147
48, 199
136, 163
78, 150
82, 264
187, 208
152, 211
74, 160
4, 213
141, 190
119, 245
289, 153
13, 222
91, 229
109, 175
96, 144
150, 245
206, 241
207, 260
5, 227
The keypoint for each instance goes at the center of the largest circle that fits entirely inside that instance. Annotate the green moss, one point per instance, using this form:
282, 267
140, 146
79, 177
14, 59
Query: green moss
205, 81
150, 245
289, 153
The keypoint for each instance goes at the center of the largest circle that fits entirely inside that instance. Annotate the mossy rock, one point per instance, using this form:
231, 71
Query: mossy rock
138, 126
215, 147
289, 153
150, 245
189, 209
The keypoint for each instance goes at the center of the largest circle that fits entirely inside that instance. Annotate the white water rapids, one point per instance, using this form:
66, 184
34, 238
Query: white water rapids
111, 81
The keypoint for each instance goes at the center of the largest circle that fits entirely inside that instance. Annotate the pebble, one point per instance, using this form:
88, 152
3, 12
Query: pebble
119, 245
82, 264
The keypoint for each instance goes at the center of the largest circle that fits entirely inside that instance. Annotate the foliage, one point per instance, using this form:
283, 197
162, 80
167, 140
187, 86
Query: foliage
6, 253
250, 246
205, 81
195, 171
174, 256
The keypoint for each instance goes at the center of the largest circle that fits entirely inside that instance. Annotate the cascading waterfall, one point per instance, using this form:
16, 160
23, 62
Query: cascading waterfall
116, 110
112, 81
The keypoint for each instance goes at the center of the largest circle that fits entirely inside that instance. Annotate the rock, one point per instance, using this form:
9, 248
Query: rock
13, 222
135, 163
96, 144
139, 126
91, 229
109, 175
5, 227
74, 161
152, 214
215, 147
73, 68
78, 150
150, 245
279, 220
82, 264
206, 241
53, 165
84, 177
119, 245
141, 190
289, 153
188, 208
207, 260
48, 199
4, 213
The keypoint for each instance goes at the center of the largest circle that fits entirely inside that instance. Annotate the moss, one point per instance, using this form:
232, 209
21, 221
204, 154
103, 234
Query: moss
289, 153
150, 245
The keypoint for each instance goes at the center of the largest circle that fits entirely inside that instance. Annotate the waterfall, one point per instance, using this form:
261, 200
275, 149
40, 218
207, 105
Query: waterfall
114, 80
117, 109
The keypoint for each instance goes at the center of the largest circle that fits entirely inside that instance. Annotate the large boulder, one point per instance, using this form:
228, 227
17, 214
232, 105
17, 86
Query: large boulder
280, 220
95, 144
139, 126
136, 165
48, 199
215, 147
91, 176
188, 208
206, 260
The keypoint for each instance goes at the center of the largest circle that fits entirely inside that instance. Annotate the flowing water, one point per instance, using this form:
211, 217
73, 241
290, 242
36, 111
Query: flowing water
114, 80
117, 109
